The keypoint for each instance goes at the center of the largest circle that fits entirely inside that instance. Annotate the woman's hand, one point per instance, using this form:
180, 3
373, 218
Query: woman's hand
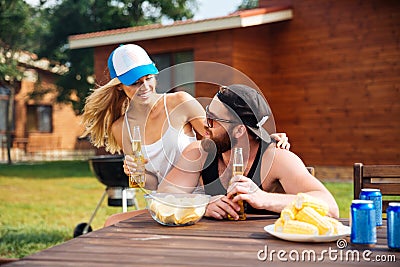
130, 165
282, 140
220, 206
246, 190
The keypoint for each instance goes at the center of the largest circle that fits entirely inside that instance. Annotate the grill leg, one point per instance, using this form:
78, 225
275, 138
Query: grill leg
85, 230
135, 202
124, 201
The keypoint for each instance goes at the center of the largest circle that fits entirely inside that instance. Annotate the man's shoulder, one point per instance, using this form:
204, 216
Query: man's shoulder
279, 155
282, 162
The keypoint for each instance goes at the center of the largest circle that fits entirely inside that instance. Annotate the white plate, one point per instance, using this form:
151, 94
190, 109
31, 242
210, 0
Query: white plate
343, 231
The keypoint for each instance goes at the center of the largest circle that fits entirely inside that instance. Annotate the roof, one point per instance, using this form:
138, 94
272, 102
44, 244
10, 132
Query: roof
238, 19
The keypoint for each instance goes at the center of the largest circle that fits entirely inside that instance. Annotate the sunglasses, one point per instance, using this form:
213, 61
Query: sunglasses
210, 119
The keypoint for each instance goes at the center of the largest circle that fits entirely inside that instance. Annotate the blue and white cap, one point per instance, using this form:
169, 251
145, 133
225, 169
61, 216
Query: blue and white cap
129, 63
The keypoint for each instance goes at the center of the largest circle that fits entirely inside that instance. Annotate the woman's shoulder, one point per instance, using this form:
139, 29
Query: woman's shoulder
177, 98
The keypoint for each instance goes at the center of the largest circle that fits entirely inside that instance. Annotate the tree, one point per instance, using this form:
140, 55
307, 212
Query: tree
16, 28
248, 4
82, 16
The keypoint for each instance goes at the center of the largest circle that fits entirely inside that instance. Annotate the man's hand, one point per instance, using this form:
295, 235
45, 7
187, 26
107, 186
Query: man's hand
246, 190
220, 206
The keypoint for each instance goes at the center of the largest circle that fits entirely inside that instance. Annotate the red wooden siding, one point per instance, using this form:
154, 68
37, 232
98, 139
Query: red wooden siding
335, 83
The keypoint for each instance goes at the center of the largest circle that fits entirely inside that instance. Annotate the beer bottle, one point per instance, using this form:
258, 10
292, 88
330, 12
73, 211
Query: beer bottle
238, 169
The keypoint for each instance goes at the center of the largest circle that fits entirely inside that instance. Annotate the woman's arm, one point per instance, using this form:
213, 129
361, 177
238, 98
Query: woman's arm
185, 175
187, 111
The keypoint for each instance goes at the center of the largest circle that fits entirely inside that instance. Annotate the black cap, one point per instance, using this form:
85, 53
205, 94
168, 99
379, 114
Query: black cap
249, 105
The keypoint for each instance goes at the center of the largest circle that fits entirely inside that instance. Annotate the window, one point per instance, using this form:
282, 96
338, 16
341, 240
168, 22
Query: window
4, 96
40, 118
169, 78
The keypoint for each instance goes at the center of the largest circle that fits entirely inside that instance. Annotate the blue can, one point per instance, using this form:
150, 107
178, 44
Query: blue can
376, 196
362, 222
393, 225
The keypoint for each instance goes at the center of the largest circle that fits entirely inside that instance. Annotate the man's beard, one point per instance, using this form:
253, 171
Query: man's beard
220, 144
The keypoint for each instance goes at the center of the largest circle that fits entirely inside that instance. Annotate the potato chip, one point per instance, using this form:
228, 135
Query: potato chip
182, 214
188, 219
165, 213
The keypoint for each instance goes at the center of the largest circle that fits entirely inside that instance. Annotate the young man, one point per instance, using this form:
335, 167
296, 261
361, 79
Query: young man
272, 177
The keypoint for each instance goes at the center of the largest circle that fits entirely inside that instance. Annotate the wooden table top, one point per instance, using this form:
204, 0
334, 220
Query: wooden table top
140, 241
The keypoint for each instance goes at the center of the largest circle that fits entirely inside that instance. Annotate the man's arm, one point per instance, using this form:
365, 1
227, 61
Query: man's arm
294, 178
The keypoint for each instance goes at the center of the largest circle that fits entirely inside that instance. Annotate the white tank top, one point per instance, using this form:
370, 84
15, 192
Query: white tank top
165, 152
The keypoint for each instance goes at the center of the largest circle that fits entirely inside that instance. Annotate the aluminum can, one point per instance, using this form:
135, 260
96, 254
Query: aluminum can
393, 225
376, 196
362, 222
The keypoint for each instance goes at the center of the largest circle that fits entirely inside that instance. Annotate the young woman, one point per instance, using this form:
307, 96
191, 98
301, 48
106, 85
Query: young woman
130, 99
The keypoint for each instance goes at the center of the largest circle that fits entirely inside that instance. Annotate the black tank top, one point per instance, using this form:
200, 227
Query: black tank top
212, 183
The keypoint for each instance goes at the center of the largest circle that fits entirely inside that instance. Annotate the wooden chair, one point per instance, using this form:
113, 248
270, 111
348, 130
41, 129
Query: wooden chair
311, 170
383, 177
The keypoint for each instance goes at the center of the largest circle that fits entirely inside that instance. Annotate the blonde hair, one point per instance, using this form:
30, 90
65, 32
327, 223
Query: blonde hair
102, 108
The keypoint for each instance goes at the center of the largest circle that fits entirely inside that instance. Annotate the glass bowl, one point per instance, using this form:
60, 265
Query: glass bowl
176, 209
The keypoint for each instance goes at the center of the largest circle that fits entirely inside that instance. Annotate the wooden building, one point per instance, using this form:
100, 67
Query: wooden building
329, 69
42, 128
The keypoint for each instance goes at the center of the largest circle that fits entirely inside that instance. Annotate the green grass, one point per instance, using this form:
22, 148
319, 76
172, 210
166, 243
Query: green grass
42, 203
343, 193
56, 169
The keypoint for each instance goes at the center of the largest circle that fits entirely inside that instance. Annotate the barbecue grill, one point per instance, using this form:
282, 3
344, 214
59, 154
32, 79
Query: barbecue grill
108, 169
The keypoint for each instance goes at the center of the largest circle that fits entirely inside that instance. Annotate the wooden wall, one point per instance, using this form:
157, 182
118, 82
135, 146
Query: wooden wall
331, 75
335, 80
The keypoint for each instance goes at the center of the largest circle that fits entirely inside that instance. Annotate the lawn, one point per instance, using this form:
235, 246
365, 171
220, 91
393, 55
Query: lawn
343, 193
42, 203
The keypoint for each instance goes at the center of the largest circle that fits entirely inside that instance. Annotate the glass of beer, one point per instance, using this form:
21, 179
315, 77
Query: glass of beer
137, 178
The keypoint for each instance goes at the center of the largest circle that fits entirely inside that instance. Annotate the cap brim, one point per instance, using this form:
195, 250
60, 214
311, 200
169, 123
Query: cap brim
130, 77
262, 133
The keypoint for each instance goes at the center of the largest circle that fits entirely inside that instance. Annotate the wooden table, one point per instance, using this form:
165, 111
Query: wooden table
140, 241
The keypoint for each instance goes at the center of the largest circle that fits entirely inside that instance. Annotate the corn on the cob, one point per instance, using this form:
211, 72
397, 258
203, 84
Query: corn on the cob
311, 216
335, 223
278, 225
297, 227
288, 213
305, 200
